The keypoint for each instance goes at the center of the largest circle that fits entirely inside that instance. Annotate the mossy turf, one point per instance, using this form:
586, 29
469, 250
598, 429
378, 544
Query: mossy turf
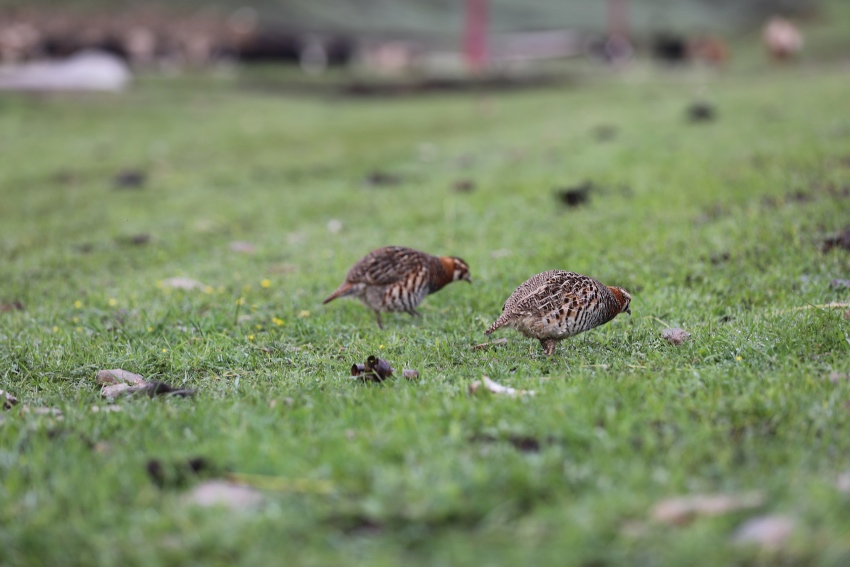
714, 226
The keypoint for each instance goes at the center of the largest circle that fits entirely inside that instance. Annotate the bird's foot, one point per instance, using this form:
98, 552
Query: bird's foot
548, 346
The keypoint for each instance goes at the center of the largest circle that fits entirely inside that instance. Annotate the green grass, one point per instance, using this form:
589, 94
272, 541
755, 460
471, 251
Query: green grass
698, 221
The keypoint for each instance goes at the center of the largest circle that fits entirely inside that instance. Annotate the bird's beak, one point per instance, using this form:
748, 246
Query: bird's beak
468, 278
629, 310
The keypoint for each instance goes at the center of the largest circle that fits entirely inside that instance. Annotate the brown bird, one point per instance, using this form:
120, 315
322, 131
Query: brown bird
556, 304
395, 278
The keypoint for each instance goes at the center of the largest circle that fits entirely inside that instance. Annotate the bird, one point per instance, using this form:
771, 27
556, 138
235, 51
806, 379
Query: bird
554, 305
395, 278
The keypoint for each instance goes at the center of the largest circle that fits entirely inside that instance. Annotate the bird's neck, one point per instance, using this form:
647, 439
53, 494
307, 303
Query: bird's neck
442, 272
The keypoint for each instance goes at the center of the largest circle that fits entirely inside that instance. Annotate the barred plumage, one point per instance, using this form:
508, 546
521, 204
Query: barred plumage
395, 278
554, 305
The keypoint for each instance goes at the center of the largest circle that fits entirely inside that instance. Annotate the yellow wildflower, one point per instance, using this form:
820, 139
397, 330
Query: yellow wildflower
78, 304
304, 313
112, 302
266, 283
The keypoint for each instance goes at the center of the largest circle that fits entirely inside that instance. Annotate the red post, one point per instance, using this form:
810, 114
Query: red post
618, 18
475, 35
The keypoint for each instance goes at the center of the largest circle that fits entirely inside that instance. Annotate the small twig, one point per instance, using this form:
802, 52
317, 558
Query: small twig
656, 319
281, 484
497, 342
820, 306
236, 314
496, 388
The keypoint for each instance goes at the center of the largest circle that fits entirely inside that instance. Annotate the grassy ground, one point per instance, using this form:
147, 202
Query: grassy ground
715, 227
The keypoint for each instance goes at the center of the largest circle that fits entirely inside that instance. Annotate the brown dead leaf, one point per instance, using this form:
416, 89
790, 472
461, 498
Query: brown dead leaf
675, 335
486, 384
129, 179
836, 377
410, 374
117, 382
683, 510
225, 494
13, 306
374, 368
492, 344
241, 247
464, 186
840, 240
8, 400
118, 376
768, 532
182, 283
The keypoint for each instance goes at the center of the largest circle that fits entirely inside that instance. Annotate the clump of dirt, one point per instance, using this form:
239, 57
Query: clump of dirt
840, 240
701, 112
576, 195
130, 179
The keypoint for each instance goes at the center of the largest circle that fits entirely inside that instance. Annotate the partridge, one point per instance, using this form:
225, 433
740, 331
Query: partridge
395, 278
556, 304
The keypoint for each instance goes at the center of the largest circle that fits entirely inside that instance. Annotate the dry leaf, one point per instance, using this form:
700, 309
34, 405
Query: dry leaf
129, 179
241, 247
410, 374
55, 412
334, 226
117, 376
14, 306
840, 240
8, 399
119, 382
374, 368
836, 377
682, 510
496, 343
281, 484
112, 408
675, 335
182, 283
226, 494
768, 532
843, 483
491, 386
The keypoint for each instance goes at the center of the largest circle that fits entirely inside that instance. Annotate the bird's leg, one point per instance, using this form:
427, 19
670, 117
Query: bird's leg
378, 317
548, 346
414, 313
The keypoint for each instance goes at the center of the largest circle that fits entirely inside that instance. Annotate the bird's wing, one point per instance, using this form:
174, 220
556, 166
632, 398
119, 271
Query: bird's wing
388, 265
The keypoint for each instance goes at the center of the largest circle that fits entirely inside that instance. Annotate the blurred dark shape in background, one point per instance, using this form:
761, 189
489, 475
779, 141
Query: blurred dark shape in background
429, 37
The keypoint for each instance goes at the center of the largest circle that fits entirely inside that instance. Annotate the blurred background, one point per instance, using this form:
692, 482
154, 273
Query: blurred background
390, 44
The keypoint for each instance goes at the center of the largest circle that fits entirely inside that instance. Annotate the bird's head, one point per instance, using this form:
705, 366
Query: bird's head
458, 269
623, 299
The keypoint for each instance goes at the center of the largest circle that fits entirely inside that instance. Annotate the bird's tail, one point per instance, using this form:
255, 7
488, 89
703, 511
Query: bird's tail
343, 290
501, 321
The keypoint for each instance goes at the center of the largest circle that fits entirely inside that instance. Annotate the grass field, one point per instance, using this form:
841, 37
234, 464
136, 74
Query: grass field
715, 227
